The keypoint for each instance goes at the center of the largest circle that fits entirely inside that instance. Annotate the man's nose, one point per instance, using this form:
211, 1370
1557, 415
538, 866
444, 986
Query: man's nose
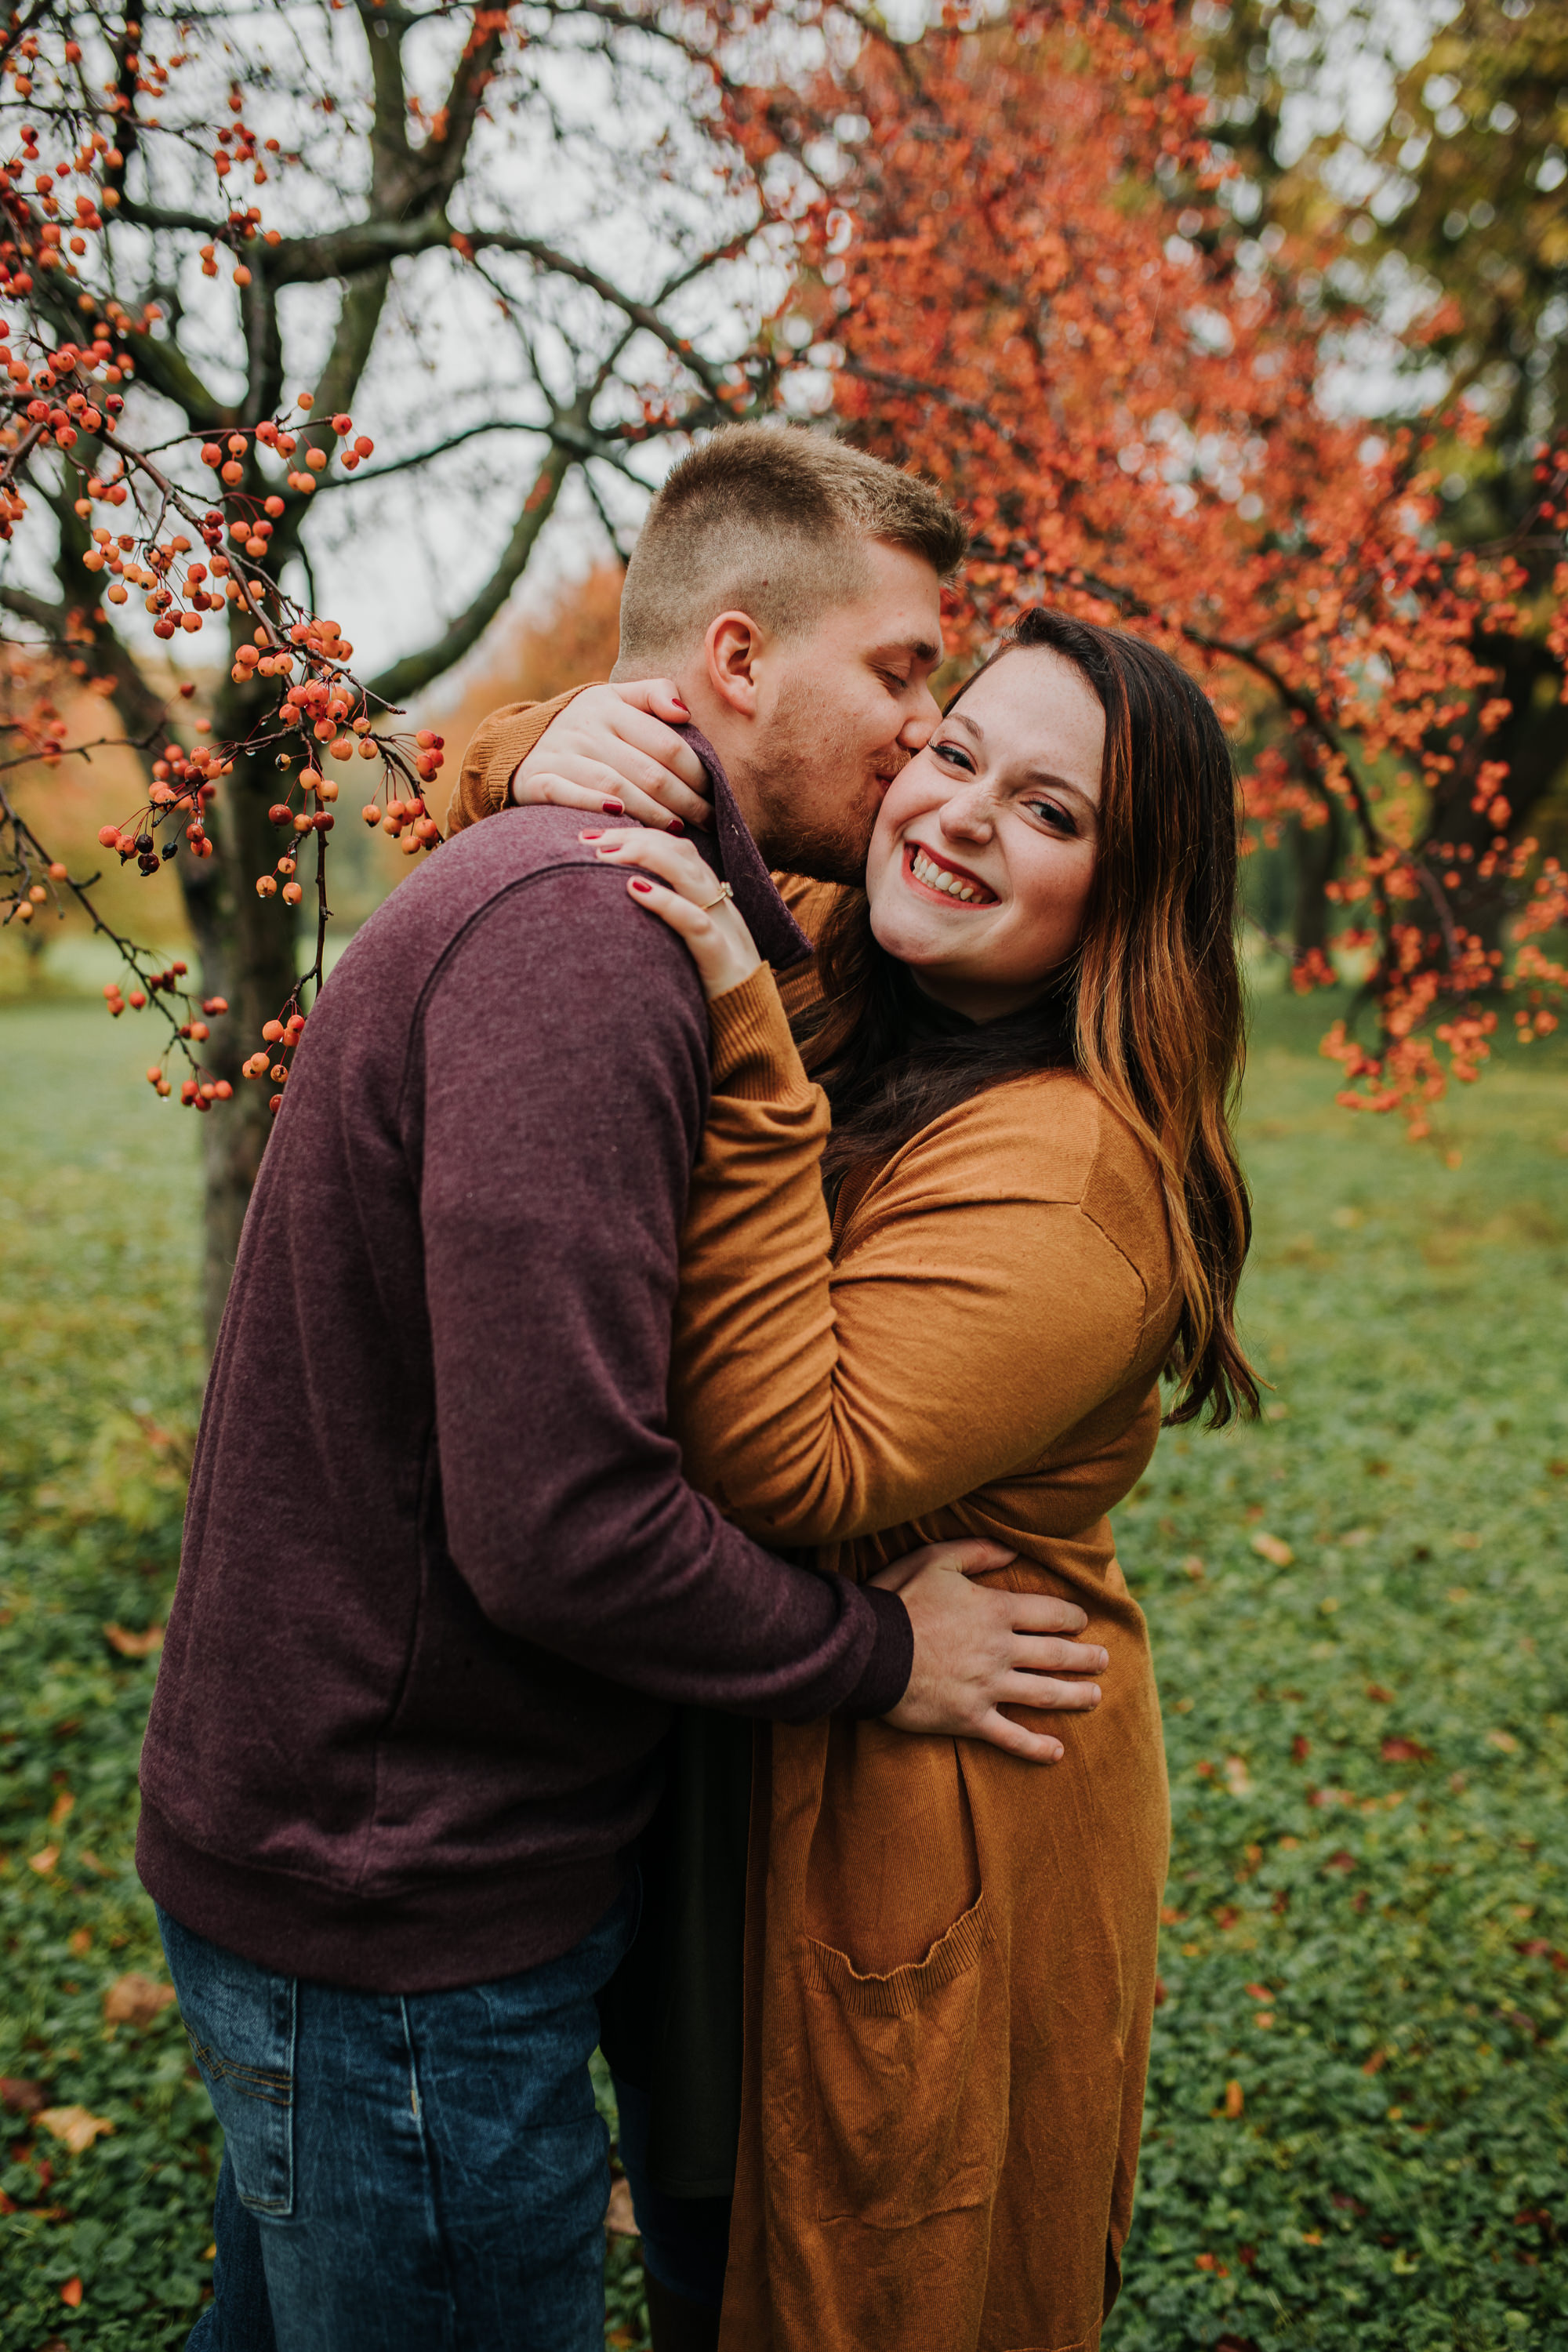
921, 723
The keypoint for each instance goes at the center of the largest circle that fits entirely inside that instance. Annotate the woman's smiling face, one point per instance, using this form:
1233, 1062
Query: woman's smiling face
983, 853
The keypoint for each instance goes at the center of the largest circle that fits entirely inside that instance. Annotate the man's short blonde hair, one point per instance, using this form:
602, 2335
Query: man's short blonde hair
772, 521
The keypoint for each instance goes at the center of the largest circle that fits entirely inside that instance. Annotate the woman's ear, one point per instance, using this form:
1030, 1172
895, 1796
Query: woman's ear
733, 647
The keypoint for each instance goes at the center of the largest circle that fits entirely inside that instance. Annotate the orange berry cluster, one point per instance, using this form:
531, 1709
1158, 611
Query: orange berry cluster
281, 1037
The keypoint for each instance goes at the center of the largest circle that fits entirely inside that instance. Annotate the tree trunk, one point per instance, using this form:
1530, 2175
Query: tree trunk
248, 954
1315, 855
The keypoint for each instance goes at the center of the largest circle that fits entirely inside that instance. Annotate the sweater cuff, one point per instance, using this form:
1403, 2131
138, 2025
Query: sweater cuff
892, 1659
754, 1056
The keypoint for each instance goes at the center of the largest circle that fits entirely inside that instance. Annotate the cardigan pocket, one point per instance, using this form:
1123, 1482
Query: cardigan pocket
909, 2075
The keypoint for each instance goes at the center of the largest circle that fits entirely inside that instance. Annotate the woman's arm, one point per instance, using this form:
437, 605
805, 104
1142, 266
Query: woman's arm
618, 752
978, 1312
500, 744
979, 1307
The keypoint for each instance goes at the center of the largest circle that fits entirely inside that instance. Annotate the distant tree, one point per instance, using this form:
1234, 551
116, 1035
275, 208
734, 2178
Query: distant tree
1452, 230
1035, 280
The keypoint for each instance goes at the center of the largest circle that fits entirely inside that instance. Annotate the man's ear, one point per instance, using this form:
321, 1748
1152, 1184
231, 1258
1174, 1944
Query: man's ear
733, 647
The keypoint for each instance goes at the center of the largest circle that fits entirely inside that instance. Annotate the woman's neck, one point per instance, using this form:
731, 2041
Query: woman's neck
979, 999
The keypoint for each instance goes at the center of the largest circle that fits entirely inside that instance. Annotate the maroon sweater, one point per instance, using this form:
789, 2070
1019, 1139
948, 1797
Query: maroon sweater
442, 1580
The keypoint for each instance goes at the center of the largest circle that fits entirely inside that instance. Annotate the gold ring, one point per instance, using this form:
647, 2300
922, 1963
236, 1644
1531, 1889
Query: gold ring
724, 892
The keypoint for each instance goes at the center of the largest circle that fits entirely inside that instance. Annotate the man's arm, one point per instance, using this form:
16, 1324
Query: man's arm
556, 1146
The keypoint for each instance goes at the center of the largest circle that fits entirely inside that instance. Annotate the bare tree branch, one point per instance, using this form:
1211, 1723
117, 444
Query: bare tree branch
405, 679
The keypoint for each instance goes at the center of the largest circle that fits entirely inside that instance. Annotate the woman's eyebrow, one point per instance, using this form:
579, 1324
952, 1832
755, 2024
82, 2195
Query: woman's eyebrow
1032, 779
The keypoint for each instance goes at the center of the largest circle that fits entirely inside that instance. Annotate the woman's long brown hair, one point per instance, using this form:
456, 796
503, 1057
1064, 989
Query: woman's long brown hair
1149, 1012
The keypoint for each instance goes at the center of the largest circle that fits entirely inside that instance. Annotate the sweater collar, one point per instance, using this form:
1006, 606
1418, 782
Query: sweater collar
731, 850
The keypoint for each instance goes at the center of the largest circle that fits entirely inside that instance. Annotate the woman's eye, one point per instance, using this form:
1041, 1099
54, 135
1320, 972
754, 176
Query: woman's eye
957, 754
1057, 818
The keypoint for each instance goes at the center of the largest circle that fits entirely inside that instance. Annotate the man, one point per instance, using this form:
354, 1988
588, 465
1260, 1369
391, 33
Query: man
442, 1583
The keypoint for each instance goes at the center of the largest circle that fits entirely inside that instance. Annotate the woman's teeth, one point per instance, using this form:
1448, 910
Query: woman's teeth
938, 877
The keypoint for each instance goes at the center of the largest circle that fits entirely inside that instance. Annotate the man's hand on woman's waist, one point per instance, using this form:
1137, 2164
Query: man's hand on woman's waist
978, 1649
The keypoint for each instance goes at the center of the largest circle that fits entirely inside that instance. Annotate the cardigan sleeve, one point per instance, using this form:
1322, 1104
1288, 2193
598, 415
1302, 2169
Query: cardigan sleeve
976, 1313
501, 741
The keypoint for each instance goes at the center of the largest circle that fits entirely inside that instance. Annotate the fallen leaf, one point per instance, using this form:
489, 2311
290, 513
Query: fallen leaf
44, 1861
80, 1940
134, 1645
71, 2292
1503, 1739
135, 1999
1397, 1751
1379, 1691
209, 2253
20, 2097
78, 2126
620, 2221
1234, 2100
1273, 1549
60, 1810
1238, 1779
1192, 1566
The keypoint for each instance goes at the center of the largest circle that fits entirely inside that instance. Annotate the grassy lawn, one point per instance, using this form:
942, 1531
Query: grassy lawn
1357, 2131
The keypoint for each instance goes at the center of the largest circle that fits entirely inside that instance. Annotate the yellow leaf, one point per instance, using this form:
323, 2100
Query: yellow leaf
78, 2126
134, 1645
1273, 1549
135, 1999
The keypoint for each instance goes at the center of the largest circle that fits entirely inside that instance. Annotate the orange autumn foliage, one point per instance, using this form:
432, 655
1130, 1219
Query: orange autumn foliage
1029, 285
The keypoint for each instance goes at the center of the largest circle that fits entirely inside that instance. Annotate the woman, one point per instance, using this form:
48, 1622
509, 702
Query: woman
1026, 1211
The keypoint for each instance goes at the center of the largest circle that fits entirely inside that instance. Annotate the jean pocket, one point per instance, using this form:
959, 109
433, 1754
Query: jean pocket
239, 2021
910, 2071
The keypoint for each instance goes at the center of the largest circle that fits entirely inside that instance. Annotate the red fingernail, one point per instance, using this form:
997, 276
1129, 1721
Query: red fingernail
614, 808
598, 834
675, 825
678, 704
640, 885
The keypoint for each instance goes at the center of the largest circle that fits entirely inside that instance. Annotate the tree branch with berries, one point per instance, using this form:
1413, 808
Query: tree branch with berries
171, 191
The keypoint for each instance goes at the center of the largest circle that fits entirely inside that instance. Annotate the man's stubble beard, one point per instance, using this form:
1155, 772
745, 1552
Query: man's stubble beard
801, 831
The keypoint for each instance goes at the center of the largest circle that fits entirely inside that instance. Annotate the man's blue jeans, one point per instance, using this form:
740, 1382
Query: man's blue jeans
425, 2173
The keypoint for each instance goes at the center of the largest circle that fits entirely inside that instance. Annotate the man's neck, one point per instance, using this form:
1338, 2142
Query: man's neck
731, 738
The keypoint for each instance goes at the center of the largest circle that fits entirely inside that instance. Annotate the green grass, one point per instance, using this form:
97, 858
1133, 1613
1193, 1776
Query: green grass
1397, 2174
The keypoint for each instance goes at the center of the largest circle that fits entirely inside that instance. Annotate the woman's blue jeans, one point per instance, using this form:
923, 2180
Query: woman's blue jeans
424, 2173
